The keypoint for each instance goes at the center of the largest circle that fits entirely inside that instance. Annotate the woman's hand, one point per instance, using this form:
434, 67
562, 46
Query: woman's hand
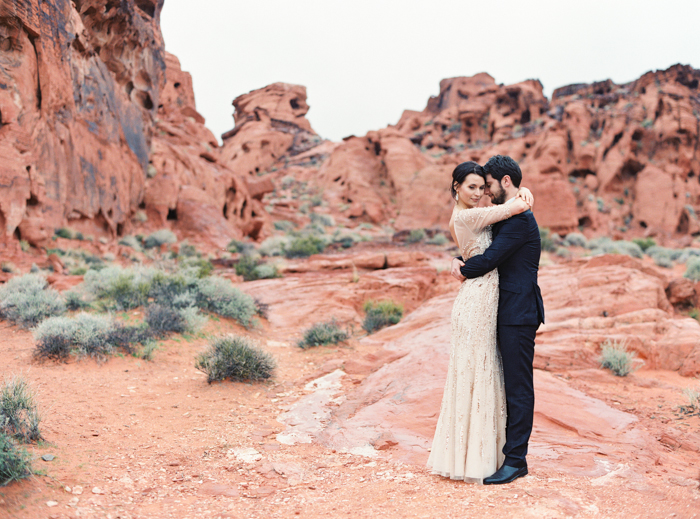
526, 195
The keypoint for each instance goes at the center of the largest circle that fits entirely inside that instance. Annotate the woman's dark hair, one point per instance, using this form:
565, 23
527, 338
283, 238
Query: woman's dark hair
461, 172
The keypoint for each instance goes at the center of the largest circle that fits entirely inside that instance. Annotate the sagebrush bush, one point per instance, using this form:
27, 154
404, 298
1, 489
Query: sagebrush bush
319, 334
284, 225
438, 239
575, 239
605, 245
563, 252
379, 314
686, 254
416, 236
218, 295
252, 268
164, 319
304, 246
236, 358
274, 246
132, 242
19, 417
14, 462
324, 220
158, 238
644, 243
117, 288
547, 240
241, 247
692, 269
86, 335
26, 300
616, 358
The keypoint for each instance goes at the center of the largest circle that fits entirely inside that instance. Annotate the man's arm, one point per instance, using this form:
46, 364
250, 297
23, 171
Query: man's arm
511, 236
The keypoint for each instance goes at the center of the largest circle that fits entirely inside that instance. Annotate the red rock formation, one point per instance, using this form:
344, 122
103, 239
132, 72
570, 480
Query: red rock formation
86, 117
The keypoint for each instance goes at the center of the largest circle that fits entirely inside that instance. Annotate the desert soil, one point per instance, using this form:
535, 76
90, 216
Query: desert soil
133, 439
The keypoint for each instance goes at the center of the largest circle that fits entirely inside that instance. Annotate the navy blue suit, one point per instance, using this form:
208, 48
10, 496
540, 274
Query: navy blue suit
515, 251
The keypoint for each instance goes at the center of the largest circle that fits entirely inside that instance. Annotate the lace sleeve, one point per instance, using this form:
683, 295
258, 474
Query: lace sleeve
470, 222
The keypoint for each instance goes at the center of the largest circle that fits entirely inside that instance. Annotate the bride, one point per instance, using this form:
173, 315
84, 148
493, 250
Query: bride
470, 432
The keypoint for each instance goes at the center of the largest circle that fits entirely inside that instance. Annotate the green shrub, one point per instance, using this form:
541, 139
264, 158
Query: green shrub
284, 225
132, 242
14, 462
194, 320
644, 243
26, 300
322, 219
616, 358
251, 268
19, 417
304, 246
158, 238
575, 239
686, 254
692, 269
323, 333
416, 236
236, 358
240, 247
605, 245
274, 246
218, 295
547, 240
85, 335
438, 239
64, 232
117, 288
163, 320
379, 314
563, 252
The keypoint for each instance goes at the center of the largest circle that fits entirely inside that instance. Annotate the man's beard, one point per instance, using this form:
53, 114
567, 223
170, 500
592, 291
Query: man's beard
500, 197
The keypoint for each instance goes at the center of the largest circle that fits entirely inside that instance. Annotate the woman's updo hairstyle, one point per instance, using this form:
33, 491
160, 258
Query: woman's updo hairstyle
460, 173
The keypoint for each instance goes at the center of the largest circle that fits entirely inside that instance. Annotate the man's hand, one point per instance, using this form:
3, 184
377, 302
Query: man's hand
456, 265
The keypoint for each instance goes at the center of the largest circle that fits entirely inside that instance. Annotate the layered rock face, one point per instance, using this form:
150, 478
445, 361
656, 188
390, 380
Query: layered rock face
97, 121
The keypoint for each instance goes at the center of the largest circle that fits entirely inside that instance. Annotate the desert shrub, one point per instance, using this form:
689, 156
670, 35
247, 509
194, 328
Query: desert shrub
284, 225
379, 314
438, 239
575, 239
324, 220
124, 337
693, 396
7, 267
74, 300
187, 250
692, 269
262, 309
616, 358
644, 243
158, 238
416, 236
165, 288
274, 246
218, 295
26, 300
194, 320
14, 462
240, 247
547, 240
662, 256
132, 242
686, 254
251, 268
606, 246
164, 319
304, 246
323, 333
236, 358
19, 417
117, 288
64, 232
563, 252
86, 334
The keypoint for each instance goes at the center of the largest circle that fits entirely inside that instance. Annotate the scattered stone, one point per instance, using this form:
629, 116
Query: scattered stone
77, 490
51, 503
48, 457
97, 490
246, 454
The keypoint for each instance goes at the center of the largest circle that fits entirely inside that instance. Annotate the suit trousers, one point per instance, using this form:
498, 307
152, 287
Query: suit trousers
517, 346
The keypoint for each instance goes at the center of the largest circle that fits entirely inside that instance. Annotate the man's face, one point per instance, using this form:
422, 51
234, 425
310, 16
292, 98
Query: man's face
494, 190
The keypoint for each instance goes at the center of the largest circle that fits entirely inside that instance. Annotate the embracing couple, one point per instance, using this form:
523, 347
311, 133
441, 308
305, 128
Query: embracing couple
487, 406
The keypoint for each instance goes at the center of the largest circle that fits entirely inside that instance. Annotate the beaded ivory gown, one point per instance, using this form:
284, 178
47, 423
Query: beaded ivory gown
470, 432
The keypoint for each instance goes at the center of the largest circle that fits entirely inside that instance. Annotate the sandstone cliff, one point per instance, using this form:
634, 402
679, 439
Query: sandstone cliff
97, 121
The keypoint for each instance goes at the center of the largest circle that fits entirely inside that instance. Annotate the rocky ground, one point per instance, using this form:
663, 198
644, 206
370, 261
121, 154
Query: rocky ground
345, 430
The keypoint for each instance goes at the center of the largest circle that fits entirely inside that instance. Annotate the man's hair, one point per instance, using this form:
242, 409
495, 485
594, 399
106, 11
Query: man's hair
499, 166
461, 172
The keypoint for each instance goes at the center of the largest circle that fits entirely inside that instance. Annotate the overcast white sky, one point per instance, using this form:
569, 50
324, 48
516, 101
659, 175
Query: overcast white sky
364, 61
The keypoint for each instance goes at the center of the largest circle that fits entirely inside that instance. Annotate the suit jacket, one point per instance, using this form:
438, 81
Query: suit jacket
515, 251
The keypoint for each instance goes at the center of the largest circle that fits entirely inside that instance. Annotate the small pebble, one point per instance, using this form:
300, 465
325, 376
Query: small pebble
97, 490
51, 503
48, 457
77, 490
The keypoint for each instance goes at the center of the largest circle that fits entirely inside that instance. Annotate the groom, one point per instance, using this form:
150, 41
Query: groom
515, 250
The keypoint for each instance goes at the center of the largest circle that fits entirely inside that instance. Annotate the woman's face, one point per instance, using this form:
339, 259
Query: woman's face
471, 190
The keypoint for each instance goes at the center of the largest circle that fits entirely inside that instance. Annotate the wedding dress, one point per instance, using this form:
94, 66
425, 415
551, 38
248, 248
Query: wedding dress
470, 432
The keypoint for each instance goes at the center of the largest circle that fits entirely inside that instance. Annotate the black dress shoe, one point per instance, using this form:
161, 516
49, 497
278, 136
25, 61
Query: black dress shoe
505, 474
